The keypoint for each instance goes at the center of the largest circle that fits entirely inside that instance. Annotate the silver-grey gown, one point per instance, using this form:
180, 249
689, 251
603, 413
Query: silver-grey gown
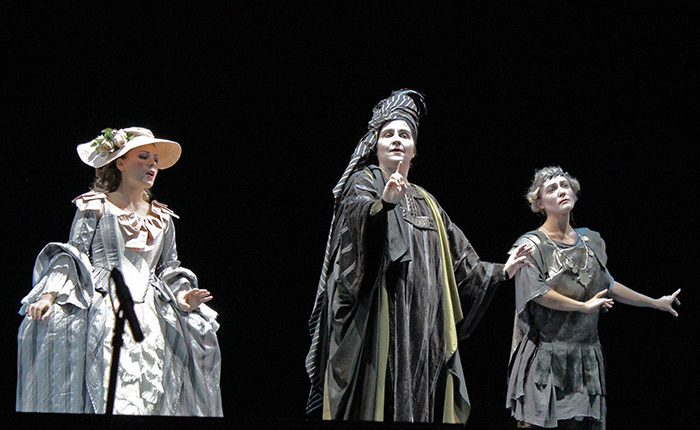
63, 362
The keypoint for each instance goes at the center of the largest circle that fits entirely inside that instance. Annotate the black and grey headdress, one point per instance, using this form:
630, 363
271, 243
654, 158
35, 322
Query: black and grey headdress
407, 105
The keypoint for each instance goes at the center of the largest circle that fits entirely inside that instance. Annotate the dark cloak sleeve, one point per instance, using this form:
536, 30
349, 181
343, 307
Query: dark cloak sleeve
357, 260
476, 279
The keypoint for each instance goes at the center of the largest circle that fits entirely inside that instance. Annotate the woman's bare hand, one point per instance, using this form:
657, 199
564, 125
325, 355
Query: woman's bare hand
518, 259
598, 302
41, 309
396, 187
193, 298
666, 303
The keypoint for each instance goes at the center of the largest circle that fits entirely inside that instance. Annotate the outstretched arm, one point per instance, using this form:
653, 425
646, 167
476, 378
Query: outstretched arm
559, 302
630, 297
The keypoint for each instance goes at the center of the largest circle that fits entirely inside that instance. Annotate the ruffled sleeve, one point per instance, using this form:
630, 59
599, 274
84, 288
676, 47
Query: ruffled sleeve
90, 201
162, 210
89, 210
65, 268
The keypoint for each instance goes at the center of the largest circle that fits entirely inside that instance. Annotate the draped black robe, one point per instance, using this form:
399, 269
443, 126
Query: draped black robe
390, 322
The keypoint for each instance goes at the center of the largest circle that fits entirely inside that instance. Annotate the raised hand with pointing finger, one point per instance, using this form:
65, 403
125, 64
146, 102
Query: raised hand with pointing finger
396, 186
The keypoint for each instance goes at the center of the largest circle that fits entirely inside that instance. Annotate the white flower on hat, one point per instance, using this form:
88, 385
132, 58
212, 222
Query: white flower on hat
111, 140
121, 137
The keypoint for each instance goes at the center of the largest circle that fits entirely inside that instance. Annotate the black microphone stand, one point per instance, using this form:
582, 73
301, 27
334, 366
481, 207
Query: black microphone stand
125, 312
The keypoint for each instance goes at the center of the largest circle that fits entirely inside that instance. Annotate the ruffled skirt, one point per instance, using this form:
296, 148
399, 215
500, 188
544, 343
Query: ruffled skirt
552, 381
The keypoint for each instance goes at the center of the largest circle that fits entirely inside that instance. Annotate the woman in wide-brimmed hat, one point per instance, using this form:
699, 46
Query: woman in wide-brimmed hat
65, 346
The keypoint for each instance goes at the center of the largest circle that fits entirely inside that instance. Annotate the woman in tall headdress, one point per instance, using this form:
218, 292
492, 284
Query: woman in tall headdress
400, 287
557, 375
65, 340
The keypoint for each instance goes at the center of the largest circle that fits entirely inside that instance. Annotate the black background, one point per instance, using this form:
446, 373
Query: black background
268, 100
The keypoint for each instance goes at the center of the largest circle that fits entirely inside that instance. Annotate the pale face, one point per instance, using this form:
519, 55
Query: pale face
139, 167
556, 196
395, 144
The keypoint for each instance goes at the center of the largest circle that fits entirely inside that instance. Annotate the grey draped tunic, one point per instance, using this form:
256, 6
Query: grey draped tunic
63, 362
557, 368
390, 322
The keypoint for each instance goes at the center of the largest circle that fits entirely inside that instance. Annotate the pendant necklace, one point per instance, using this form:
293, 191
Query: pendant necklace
582, 273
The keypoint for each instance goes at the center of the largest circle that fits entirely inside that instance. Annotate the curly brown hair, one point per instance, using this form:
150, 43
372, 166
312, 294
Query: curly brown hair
541, 176
109, 177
